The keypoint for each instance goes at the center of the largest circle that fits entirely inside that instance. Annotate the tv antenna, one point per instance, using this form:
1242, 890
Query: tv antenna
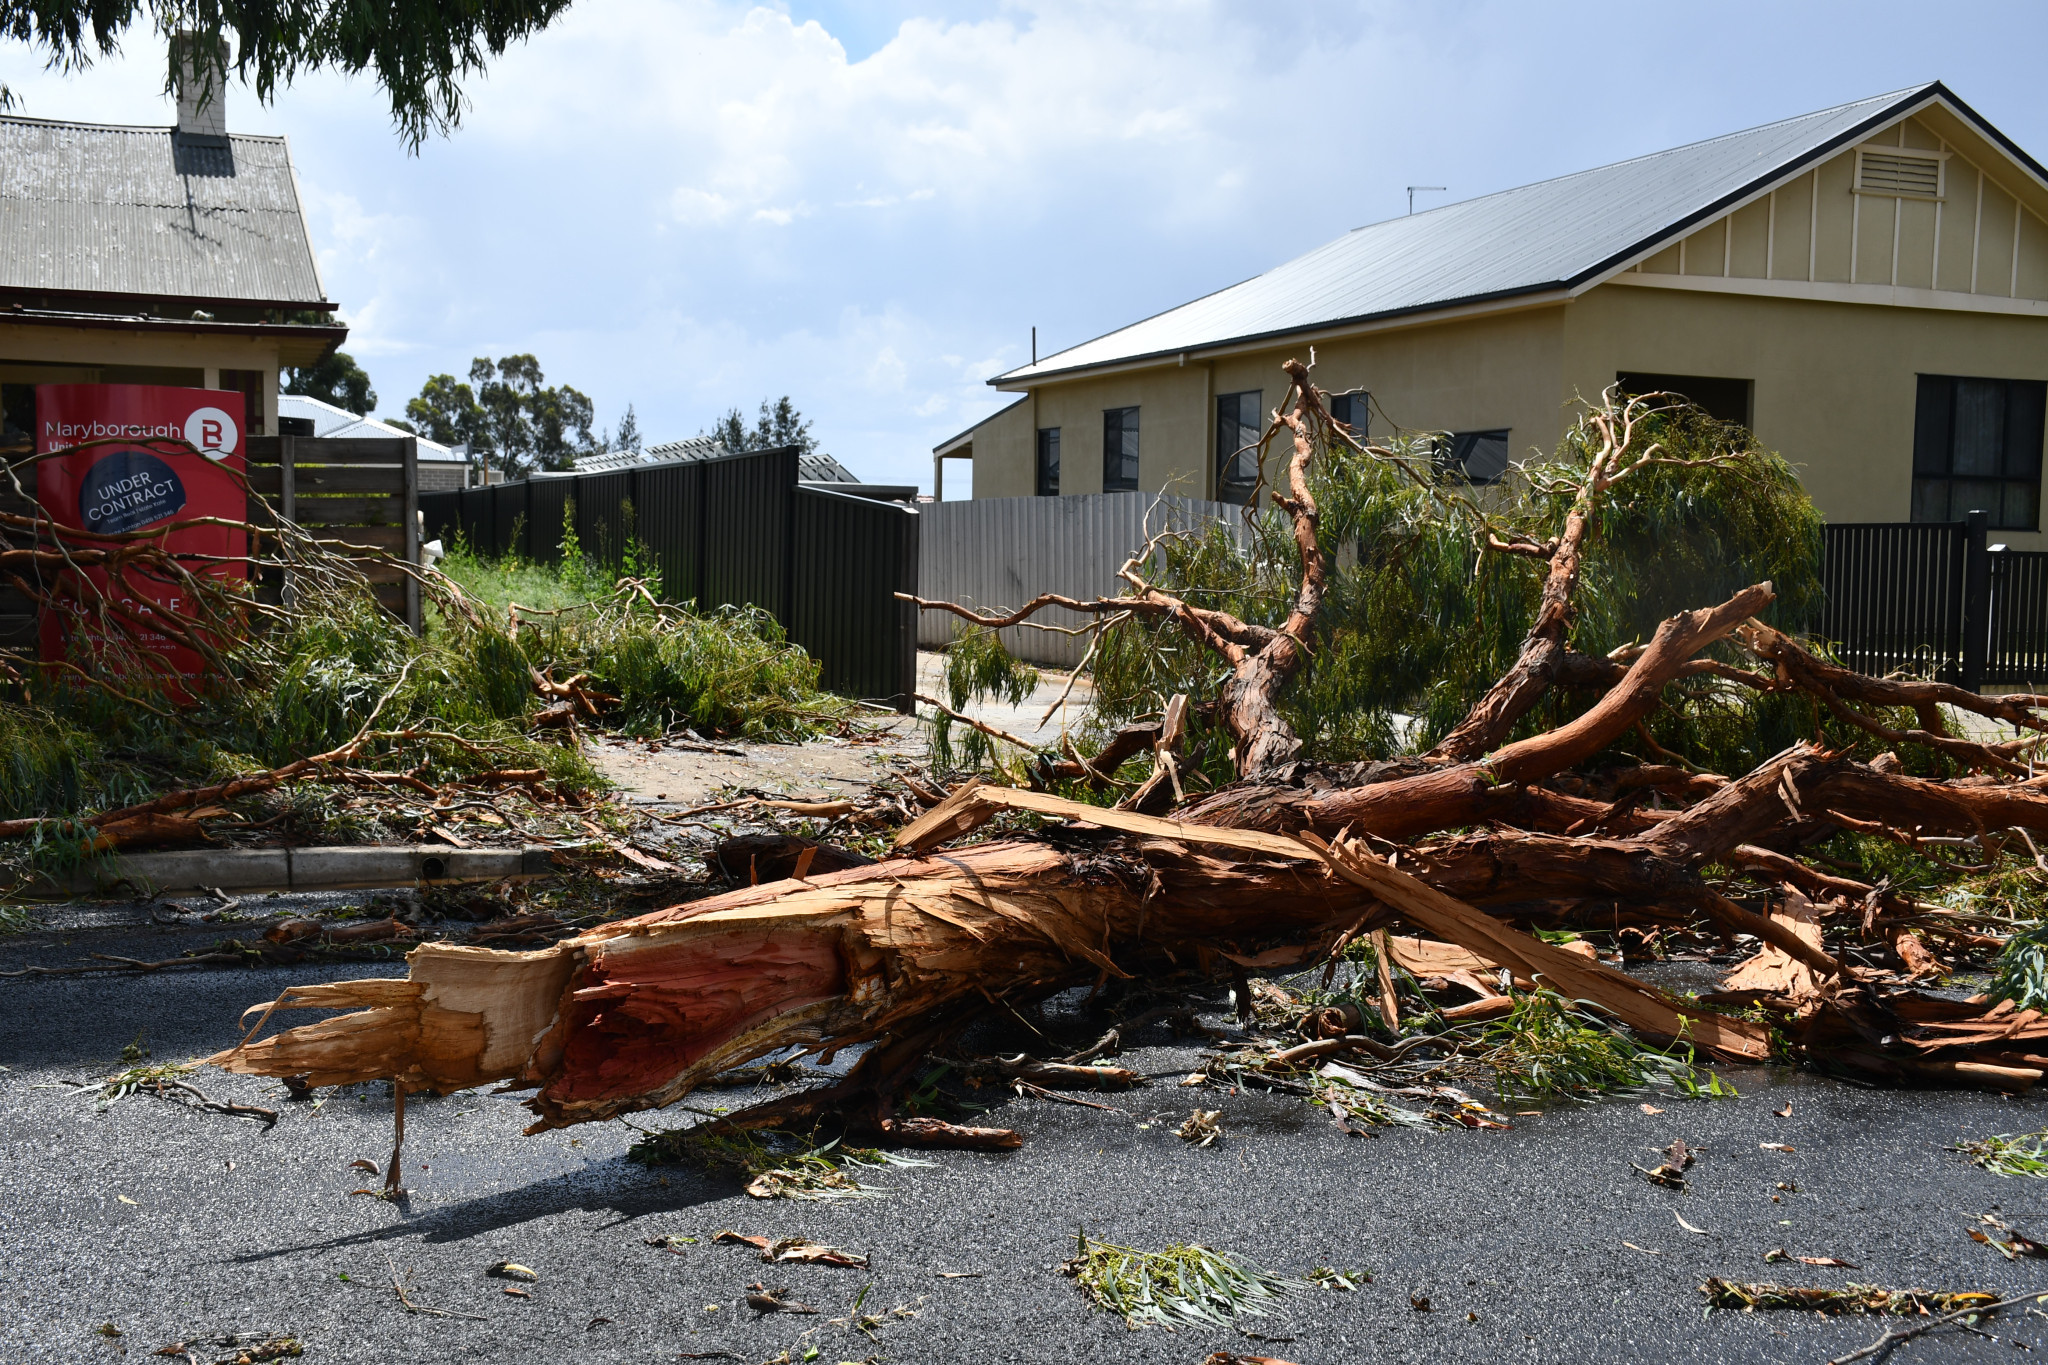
1411, 195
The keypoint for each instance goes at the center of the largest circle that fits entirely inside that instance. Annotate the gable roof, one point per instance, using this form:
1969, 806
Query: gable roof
331, 421
90, 208
1555, 236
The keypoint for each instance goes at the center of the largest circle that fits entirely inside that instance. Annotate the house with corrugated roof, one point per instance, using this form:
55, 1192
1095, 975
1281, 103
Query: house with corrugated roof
1866, 287
439, 467
140, 255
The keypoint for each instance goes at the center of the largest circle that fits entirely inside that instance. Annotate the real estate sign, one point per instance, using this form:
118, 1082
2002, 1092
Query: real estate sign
140, 462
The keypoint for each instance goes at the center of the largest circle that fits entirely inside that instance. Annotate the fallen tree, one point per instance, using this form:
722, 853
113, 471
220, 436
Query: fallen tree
1504, 821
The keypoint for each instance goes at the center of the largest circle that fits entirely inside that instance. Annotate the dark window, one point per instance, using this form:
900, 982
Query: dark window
1238, 424
1977, 447
1120, 450
1725, 400
1481, 456
1048, 462
1354, 410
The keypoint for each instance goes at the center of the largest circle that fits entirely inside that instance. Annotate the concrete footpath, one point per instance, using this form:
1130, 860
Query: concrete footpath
162, 1223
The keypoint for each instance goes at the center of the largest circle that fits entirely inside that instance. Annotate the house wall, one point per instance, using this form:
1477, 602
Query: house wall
1478, 374
91, 355
1834, 383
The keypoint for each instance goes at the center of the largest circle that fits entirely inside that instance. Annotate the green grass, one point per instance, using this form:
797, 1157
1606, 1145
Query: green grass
498, 583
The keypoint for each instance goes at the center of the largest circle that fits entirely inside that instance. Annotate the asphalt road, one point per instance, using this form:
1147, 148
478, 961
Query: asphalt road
168, 1222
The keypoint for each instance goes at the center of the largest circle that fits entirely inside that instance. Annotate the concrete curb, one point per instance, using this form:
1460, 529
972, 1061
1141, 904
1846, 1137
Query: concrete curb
309, 869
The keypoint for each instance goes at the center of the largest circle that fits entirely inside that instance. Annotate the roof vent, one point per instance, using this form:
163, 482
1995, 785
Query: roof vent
202, 90
1917, 177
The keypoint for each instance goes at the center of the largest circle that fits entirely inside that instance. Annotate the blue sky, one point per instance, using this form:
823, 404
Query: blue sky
693, 205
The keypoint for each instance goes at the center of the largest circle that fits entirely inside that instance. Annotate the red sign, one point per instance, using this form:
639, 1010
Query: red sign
135, 473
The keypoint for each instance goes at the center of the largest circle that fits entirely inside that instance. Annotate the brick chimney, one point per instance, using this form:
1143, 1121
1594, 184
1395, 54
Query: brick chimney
202, 93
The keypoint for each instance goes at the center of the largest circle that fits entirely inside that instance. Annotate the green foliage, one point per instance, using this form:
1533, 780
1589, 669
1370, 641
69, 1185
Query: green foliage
2010, 1154
1185, 1285
778, 425
465, 693
2023, 969
499, 582
338, 380
1549, 1048
509, 409
977, 668
418, 51
732, 672
1418, 621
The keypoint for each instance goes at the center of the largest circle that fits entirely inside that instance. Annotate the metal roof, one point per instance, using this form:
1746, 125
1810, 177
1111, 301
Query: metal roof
809, 468
331, 421
1554, 235
93, 208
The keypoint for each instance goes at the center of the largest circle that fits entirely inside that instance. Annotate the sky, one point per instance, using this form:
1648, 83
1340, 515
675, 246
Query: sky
691, 206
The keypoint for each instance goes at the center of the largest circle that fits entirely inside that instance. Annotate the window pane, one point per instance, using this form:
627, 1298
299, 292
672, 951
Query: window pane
1120, 450
1979, 427
1354, 410
1237, 427
1049, 462
1930, 428
2023, 418
1481, 455
1930, 500
1973, 495
2021, 510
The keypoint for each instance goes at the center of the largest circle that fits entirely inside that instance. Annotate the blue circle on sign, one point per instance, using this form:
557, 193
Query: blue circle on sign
127, 490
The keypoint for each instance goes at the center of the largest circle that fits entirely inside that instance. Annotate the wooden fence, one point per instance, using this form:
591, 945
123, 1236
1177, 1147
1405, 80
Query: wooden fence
358, 495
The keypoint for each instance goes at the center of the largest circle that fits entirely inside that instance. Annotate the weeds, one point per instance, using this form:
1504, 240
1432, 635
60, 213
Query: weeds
2009, 1154
1186, 1285
456, 702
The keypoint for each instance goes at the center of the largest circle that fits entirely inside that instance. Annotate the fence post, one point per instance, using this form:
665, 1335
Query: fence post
411, 502
1976, 598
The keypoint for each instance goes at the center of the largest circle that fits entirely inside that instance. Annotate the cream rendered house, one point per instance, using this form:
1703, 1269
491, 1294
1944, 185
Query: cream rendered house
1866, 286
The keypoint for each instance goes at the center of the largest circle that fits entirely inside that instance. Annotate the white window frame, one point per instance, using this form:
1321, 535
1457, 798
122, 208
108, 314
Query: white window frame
1940, 160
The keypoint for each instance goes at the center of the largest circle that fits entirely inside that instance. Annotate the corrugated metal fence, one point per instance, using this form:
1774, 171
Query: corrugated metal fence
999, 553
737, 530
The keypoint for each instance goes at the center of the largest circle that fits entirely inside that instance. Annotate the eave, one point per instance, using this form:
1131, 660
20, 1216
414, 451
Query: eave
301, 344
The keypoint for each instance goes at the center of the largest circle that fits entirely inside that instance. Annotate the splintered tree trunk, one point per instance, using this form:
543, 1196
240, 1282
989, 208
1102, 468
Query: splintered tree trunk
638, 1014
